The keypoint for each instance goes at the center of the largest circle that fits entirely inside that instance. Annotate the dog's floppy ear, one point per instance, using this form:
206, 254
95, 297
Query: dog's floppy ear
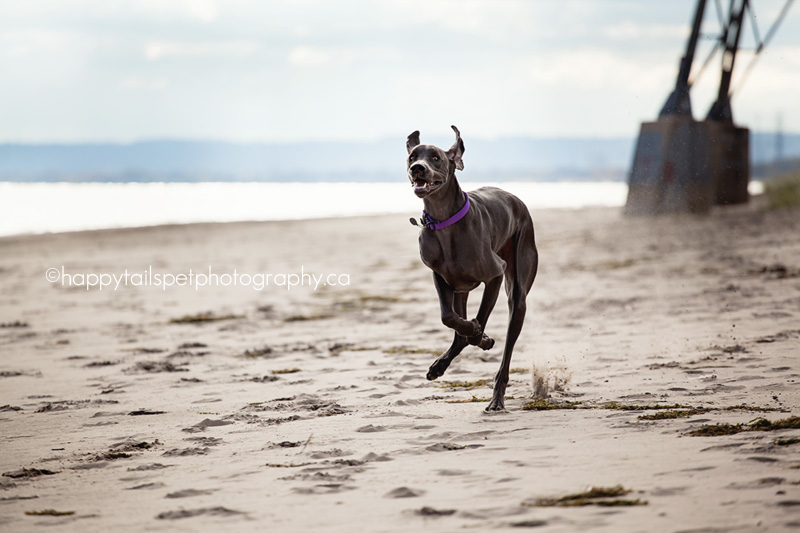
457, 150
412, 141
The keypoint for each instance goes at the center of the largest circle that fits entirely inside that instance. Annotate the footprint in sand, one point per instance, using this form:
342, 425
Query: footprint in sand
206, 423
207, 511
151, 466
176, 452
148, 486
189, 493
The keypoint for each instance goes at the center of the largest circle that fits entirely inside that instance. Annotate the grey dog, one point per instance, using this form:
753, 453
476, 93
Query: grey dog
467, 239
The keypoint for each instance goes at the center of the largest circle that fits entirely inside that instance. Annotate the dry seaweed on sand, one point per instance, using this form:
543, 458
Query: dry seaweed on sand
430, 511
601, 496
203, 317
674, 413
753, 408
29, 472
466, 385
286, 371
135, 446
145, 412
666, 411
473, 399
546, 404
340, 347
258, 352
49, 512
759, 424
630, 407
305, 318
406, 350
287, 465
14, 324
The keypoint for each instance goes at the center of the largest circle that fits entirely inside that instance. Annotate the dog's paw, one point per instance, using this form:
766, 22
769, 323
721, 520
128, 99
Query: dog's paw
497, 405
471, 328
476, 328
482, 341
437, 369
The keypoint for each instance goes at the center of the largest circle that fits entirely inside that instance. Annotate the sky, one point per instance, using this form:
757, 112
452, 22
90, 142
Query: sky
293, 70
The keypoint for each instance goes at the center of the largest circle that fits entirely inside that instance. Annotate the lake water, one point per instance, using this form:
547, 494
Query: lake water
55, 207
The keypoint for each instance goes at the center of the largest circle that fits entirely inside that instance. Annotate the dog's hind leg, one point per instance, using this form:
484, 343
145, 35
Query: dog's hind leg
519, 279
439, 366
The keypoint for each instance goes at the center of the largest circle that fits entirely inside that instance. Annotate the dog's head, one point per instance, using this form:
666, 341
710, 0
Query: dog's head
429, 167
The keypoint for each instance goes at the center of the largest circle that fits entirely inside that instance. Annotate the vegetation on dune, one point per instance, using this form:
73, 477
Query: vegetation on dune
783, 192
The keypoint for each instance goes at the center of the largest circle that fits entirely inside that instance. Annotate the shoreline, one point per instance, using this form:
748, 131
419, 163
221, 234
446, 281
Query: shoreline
96, 206
245, 223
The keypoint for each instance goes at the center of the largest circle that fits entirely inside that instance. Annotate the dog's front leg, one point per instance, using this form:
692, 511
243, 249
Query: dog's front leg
465, 328
441, 364
490, 292
454, 309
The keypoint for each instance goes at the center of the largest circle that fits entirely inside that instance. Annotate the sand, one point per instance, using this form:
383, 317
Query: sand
308, 410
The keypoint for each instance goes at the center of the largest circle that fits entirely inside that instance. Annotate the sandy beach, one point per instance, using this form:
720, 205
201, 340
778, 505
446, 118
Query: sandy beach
302, 408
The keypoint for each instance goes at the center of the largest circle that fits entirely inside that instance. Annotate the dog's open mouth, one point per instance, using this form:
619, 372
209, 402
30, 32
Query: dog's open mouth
424, 187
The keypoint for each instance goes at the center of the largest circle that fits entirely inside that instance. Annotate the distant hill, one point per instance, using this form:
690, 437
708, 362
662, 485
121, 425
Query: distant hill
384, 160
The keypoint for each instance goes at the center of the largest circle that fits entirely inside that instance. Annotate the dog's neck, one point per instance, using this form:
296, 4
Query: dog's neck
445, 202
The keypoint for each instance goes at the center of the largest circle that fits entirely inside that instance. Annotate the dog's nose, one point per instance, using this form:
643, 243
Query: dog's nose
417, 168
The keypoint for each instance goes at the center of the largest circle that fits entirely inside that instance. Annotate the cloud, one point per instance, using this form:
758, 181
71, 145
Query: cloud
632, 31
137, 83
160, 49
249, 69
307, 56
201, 10
597, 69
341, 56
34, 42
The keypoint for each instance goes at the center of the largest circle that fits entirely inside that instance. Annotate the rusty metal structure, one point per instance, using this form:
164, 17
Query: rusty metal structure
682, 165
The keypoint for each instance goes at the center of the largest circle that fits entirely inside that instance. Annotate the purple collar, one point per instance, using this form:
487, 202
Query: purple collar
432, 224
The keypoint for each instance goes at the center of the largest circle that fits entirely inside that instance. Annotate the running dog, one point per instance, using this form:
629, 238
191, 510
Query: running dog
483, 236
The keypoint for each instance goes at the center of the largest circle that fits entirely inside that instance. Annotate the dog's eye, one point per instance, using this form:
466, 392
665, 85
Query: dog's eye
435, 158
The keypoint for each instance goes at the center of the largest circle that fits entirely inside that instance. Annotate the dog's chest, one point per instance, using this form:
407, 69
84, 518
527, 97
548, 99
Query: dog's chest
460, 266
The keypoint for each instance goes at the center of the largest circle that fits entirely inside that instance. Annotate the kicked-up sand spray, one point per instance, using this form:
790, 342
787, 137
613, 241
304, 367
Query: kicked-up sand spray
548, 376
